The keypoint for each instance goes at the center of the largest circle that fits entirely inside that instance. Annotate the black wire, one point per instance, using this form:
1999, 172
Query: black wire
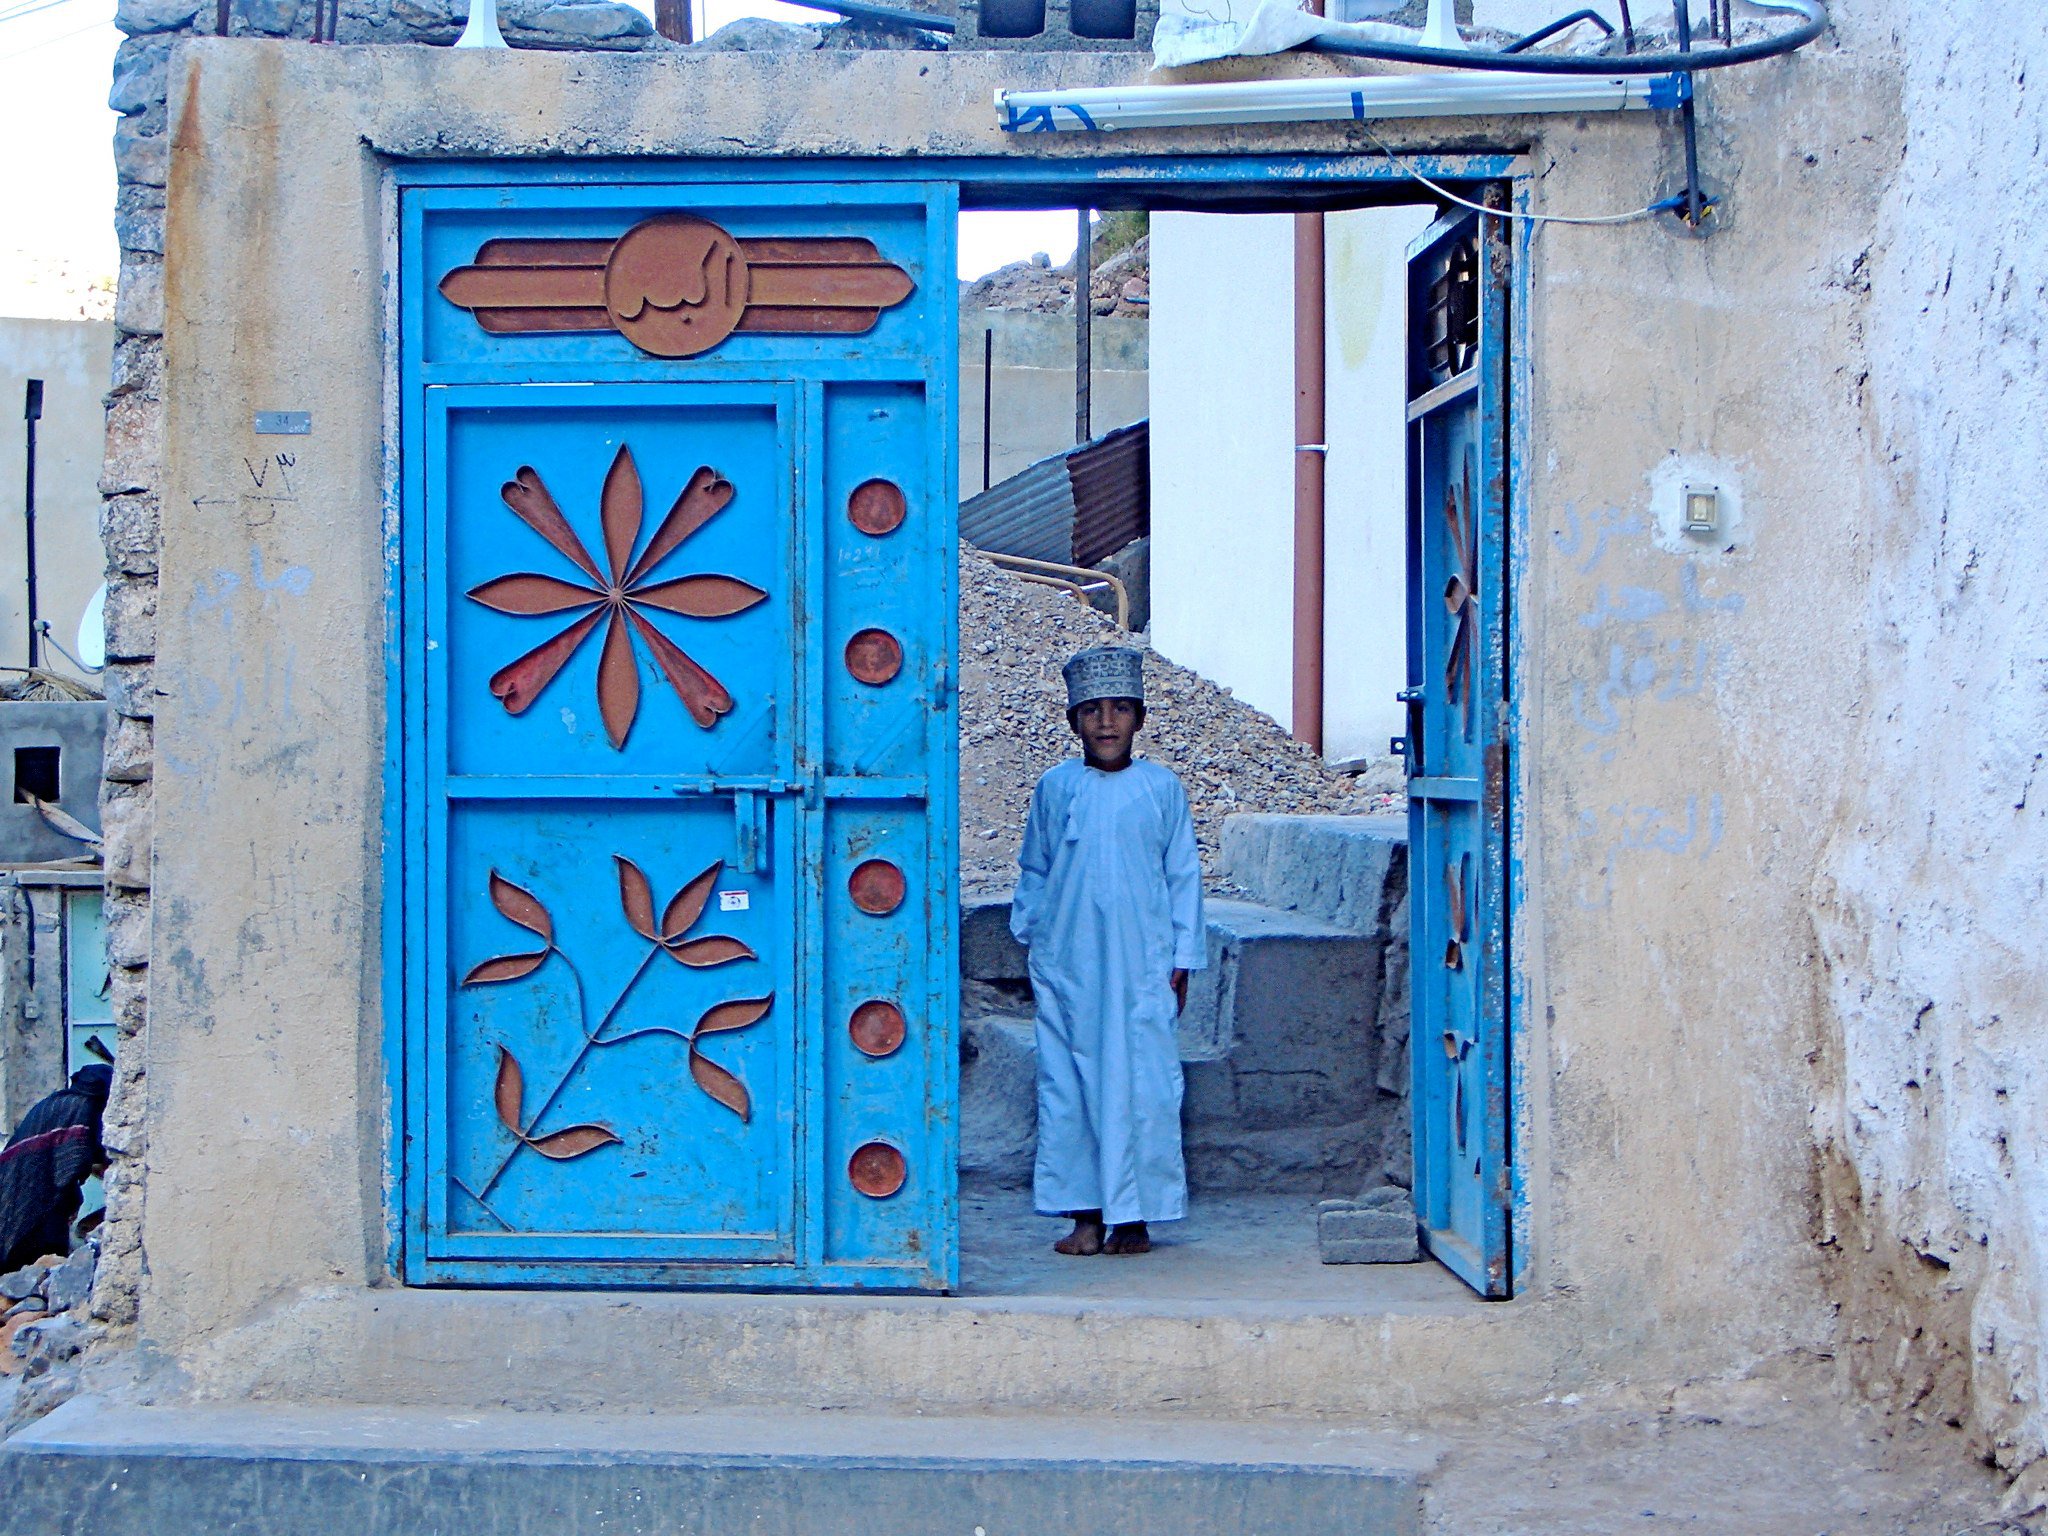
1814, 11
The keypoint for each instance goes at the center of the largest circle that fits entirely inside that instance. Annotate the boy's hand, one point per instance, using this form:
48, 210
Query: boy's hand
1180, 991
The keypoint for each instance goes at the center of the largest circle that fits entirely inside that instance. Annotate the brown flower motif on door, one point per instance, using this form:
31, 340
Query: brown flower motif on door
618, 595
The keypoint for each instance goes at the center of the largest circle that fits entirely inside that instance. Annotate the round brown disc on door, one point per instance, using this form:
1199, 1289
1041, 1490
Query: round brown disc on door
877, 1170
877, 887
876, 507
877, 1027
675, 285
874, 657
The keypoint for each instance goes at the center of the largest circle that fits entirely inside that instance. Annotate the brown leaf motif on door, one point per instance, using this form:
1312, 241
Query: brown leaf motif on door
669, 935
618, 595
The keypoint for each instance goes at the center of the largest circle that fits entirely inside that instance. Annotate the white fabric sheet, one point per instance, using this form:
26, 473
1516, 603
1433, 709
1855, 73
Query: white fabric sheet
1109, 902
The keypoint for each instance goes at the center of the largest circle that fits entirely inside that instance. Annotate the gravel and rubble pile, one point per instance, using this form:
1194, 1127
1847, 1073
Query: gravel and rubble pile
1013, 638
1120, 285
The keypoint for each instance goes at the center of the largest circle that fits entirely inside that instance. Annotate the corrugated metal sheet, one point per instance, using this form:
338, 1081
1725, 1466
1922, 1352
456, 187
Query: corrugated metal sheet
1112, 479
1074, 508
1030, 514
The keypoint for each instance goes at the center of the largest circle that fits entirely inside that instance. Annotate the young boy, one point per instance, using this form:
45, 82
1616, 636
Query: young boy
1109, 903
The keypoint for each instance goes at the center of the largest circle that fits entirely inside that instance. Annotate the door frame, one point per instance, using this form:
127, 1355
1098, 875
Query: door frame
1193, 182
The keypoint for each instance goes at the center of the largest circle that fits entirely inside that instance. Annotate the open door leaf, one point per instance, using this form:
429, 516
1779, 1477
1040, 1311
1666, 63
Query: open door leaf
521, 907
737, 1014
721, 1085
689, 903
504, 968
636, 896
717, 949
574, 1142
511, 1092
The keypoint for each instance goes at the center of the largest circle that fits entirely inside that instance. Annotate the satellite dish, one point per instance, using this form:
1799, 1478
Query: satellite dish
92, 630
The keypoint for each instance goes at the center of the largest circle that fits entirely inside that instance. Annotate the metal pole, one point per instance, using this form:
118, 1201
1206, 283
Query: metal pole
1084, 327
988, 396
32, 413
1681, 11
1310, 453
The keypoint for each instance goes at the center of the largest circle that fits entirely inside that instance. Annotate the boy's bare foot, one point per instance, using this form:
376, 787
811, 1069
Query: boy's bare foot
1128, 1237
1085, 1240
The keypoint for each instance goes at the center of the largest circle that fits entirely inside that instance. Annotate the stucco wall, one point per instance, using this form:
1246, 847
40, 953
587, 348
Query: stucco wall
1689, 724
1929, 906
73, 358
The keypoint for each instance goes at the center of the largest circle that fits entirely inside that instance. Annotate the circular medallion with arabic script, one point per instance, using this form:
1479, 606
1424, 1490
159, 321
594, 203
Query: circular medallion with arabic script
676, 285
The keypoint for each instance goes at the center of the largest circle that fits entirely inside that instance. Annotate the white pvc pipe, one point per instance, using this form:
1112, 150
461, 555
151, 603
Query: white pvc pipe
1449, 94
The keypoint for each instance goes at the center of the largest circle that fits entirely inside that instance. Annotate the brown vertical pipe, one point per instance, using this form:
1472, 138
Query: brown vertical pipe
1310, 453
672, 19
1084, 331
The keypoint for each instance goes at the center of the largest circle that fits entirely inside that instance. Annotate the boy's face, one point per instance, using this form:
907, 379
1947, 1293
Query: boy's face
1106, 728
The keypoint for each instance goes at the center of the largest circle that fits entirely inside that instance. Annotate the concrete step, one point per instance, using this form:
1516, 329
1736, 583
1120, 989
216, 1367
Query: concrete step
260, 1468
1348, 870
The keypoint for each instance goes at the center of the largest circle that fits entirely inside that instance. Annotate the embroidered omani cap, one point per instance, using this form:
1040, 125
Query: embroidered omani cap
1104, 672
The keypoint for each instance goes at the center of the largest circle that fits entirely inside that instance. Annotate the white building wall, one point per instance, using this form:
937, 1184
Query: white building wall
1223, 449
1365, 489
1222, 386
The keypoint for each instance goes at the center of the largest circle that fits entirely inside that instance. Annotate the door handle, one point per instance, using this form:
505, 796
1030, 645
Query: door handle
749, 846
1411, 744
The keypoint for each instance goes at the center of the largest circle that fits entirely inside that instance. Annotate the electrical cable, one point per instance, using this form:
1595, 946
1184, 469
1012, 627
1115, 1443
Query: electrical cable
1815, 22
50, 42
1667, 205
30, 8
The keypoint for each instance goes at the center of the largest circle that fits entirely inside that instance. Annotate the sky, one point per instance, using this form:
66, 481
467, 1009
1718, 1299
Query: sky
57, 175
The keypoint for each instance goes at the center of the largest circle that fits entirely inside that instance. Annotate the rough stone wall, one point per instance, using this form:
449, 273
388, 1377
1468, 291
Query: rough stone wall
1929, 907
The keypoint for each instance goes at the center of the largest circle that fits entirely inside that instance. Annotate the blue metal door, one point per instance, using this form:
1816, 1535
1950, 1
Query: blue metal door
673, 737
1457, 743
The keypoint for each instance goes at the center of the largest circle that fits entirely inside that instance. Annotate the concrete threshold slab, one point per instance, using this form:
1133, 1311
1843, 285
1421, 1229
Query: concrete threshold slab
261, 1467
1232, 1316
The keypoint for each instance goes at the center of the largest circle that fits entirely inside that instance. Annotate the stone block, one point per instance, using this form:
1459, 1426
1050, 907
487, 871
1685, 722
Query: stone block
139, 304
41, 1393
125, 830
1379, 1228
127, 928
140, 159
131, 531
131, 752
128, 995
998, 1099
53, 1339
69, 1284
139, 219
130, 687
987, 950
141, 75
139, 367
756, 34
140, 18
134, 446
131, 619
578, 24
24, 1282
860, 32
273, 18
26, 1307
1349, 871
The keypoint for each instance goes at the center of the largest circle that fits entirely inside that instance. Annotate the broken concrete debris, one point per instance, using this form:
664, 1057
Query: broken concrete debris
44, 1329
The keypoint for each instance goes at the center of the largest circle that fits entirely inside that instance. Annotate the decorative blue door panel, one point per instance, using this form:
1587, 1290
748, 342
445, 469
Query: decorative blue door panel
1457, 819
566, 1012
521, 603
673, 737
